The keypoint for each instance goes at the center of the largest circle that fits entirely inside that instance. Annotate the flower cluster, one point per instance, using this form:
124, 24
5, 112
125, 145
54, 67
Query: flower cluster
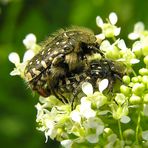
116, 119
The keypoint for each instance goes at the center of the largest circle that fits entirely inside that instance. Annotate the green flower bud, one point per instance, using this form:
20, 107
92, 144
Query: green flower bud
146, 60
131, 84
139, 78
145, 79
145, 50
129, 134
135, 99
126, 79
125, 90
143, 71
120, 99
138, 88
145, 99
135, 79
138, 53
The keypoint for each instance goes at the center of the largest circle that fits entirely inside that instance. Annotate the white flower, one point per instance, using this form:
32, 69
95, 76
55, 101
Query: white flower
99, 21
40, 112
75, 116
103, 84
109, 29
134, 61
138, 29
85, 109
105, 46
100, 37
87, 88
98, 127
14, 58
67, 143
136, 46
122, 45
125, 119
145, 135
50, 129
29, 54
30, 41
113, 18
93, 138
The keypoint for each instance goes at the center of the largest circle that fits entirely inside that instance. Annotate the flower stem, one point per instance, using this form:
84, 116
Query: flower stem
134, 73
138, 126
120, 130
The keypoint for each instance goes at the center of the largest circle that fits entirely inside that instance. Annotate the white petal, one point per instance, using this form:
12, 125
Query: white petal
66, 143
113, 18
92, 138
145, 135
137, 46
139, 27
134, 61
117, 31
29, 41
29, 54
105, 45
99, 21
122, 45
125, 119
14, 58
100, 36
103, 85
100, 129
145, 110
133, 36
85, 109
15, 72
87, 88
75, 116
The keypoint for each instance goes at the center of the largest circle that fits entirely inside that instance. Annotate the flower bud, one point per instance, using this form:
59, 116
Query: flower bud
126, 79
138, 88
129, 134
135, 99
145, 79
145, 99
145, 50
146, 60
125, 90
143, 71
135, 79
139, 78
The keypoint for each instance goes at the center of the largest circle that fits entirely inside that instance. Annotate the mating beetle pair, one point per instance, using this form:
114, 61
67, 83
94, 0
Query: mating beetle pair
65, 61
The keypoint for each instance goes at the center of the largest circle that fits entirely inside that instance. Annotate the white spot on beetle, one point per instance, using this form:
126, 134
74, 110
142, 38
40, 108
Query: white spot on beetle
36, 72
28, 76
44, 64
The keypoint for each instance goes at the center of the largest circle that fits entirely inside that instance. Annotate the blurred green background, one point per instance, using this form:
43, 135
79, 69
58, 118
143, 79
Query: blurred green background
42, 17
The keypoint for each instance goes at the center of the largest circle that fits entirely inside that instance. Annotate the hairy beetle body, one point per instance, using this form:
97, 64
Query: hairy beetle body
66, 60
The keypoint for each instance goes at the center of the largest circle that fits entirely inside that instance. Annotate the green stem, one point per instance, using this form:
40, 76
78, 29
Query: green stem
120, 130
134, 73
114, 39
138, 126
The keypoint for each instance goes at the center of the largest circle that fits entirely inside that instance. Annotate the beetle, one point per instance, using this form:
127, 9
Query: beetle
63, 54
